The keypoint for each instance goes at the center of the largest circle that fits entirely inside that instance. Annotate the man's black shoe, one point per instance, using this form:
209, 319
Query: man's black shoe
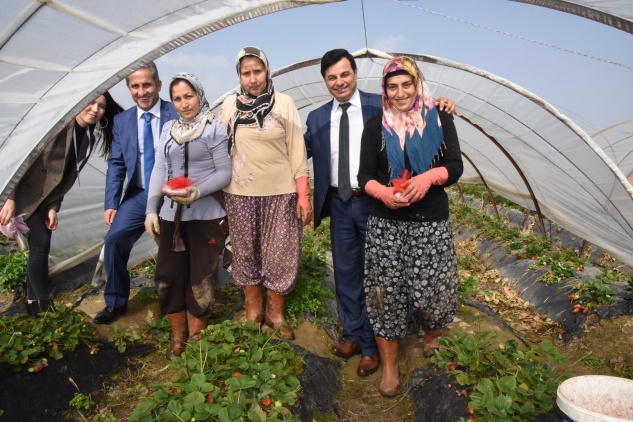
109, 314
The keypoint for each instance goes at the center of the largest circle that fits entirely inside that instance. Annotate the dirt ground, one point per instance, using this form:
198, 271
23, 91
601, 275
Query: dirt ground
604, 347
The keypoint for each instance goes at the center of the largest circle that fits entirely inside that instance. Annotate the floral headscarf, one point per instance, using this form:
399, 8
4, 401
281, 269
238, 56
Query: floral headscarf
185, 130
418, 130
249, 109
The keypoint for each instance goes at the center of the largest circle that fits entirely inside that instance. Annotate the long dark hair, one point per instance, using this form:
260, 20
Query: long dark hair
106, 124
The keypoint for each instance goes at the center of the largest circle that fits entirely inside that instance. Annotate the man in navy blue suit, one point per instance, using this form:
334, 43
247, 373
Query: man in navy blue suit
135, 130
348, 211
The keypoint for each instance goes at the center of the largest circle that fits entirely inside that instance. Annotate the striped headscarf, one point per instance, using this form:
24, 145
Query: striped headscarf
250, 109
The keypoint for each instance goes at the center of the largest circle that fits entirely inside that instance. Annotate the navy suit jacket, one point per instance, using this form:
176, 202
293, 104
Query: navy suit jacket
317, 139
122, 161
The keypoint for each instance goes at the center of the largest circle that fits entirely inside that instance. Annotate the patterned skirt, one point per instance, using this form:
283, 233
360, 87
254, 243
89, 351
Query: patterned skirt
266, 238
410, 275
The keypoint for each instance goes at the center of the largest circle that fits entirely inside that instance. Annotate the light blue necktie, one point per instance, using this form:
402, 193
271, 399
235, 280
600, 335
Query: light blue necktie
148, 149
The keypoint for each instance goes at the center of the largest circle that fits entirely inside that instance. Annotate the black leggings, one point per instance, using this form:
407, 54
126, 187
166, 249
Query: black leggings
39, 248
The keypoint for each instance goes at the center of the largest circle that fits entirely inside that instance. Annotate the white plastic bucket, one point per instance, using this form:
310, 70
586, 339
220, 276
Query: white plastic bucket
596, 398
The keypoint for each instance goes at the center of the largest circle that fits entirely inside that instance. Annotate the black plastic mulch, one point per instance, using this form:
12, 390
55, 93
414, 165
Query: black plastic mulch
320, 383
45, 396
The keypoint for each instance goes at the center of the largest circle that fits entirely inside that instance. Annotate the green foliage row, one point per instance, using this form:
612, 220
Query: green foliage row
562, 263
234, 372
24, 338
477, 190
507, 383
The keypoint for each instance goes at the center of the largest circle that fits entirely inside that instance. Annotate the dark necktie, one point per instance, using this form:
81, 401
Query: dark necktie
148, 149
344, 186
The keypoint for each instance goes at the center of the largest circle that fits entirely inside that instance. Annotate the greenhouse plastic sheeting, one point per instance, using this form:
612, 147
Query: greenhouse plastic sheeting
615, 13
44, 83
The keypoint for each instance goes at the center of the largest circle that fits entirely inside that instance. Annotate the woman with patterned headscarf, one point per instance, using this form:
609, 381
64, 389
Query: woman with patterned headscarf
408, 155
194, 151
268, 199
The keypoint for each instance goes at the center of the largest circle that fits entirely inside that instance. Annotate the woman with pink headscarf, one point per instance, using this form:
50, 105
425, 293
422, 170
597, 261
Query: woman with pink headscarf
408, 155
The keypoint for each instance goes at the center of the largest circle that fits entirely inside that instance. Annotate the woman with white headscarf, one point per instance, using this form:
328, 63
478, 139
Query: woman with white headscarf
410, 263
192, 149
268, 198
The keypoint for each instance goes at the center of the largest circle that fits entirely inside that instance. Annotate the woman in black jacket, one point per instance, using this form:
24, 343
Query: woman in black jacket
408, 155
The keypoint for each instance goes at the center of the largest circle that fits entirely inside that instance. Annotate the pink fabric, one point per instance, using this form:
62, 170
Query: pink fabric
16, 225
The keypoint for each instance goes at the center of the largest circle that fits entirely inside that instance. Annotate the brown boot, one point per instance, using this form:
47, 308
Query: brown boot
275, 315
254, 308
431, 342
195, 326
178, 327
389, 383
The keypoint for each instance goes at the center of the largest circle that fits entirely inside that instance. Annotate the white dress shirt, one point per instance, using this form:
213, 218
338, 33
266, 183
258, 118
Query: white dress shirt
355, 114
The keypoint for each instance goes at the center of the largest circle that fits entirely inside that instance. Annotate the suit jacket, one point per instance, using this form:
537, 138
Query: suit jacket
46, 174
317, 139
122, 162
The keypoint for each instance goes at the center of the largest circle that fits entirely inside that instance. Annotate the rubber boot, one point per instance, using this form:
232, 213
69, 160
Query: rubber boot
390, 382
254, 308
275, 315
195, 326
431, 342
178, 331
37, 307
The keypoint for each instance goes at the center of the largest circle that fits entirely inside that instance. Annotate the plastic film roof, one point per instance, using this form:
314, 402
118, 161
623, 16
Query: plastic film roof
46, 78
615, 13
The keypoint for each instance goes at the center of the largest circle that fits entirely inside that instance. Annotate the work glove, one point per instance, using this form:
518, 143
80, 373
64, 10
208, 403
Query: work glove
385, 194
304, 206
194, 194
151, 225
417, 187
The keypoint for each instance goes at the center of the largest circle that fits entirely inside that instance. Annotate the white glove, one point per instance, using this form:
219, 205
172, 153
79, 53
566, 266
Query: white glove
151, 225
194, 194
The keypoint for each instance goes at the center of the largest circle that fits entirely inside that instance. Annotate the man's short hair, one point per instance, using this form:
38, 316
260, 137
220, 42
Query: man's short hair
151, 66
333, 56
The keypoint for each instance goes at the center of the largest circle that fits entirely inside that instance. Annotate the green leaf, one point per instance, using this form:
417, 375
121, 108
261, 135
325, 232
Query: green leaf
503, 403
485, 386
194, 398
507, 384
464, 379
174, 407
143, 408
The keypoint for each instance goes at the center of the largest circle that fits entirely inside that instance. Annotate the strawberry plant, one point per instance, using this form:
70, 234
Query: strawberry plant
506, 383
81, 401
23, 339
234, 372
611, 275
467, 287
13, 269
310, 296
595, 293
122, 339
558, 270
